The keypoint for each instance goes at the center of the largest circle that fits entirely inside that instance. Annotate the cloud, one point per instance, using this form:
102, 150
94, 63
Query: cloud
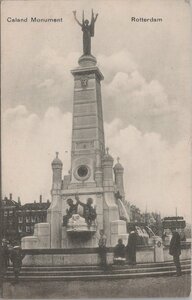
135, 99
156, 173
29, 146
130, 90
126, 93
121, 61
47, 81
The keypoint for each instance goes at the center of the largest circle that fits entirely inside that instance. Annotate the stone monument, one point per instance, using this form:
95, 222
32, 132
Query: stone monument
91, 196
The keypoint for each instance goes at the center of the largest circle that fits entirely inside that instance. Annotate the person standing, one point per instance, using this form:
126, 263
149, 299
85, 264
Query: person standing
5, 256
175, 250
103, 249
131, 247
16, 258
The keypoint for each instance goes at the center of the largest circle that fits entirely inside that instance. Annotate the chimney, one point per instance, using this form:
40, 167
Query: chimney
19, 201
34, 201
40, 199
10, 196
48, 201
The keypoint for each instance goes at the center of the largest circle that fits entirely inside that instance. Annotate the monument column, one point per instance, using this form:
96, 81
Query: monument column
88, 144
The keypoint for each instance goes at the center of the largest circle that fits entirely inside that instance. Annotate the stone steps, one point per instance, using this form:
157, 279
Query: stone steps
96, 273
96, 267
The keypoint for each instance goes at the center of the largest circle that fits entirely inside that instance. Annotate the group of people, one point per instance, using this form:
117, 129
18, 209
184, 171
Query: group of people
13, 254
127, 253
122, 253
89, 212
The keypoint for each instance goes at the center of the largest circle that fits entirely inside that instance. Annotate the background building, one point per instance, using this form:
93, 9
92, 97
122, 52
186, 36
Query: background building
10, 218
19, 220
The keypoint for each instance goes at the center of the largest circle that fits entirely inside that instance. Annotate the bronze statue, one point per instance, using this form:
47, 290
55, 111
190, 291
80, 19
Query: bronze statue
88, 31
89, 212
70, 211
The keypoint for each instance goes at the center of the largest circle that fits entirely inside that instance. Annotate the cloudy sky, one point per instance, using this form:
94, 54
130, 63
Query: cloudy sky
146, 96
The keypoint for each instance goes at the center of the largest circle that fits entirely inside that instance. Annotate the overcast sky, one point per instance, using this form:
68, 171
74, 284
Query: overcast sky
146, 96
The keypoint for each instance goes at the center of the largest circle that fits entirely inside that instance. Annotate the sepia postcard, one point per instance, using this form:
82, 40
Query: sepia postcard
95, 149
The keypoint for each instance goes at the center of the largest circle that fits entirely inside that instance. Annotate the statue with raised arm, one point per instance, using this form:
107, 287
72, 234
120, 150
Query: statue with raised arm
89, 212
88, 31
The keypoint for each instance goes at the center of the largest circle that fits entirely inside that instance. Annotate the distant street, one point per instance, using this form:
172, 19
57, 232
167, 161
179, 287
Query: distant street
143, 287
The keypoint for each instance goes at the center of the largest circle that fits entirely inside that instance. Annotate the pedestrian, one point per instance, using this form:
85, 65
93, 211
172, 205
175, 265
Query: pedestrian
103, 249
16, 258
131, 247
175, 250
119, 252
5, 256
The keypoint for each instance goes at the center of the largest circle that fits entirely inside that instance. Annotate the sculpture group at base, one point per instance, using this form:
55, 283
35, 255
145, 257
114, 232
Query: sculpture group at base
89, 212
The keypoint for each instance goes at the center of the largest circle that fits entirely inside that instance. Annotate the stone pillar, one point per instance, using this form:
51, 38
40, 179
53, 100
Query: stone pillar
110, 209
118, 172
54, 214
57, 173
98, 170
158, 250
108, 184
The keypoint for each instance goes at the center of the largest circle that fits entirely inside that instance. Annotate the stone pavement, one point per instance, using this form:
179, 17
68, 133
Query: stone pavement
125, 288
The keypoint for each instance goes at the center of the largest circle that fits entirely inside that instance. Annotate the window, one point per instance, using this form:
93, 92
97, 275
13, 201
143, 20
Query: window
27, 228
10, 223
37, 219
11, 212
20, 219
32, 229
27, 219
33, 219
20, 228
5, 213
82, 171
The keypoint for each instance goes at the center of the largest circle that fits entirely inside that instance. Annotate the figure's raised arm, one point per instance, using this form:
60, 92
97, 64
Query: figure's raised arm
78, 201
75, 17
96, 17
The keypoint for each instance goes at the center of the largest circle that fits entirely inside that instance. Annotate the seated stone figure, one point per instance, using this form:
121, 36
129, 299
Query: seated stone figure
89, 212
70, 211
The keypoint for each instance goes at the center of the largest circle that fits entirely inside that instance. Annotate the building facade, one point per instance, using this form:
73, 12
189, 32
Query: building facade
18, 220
